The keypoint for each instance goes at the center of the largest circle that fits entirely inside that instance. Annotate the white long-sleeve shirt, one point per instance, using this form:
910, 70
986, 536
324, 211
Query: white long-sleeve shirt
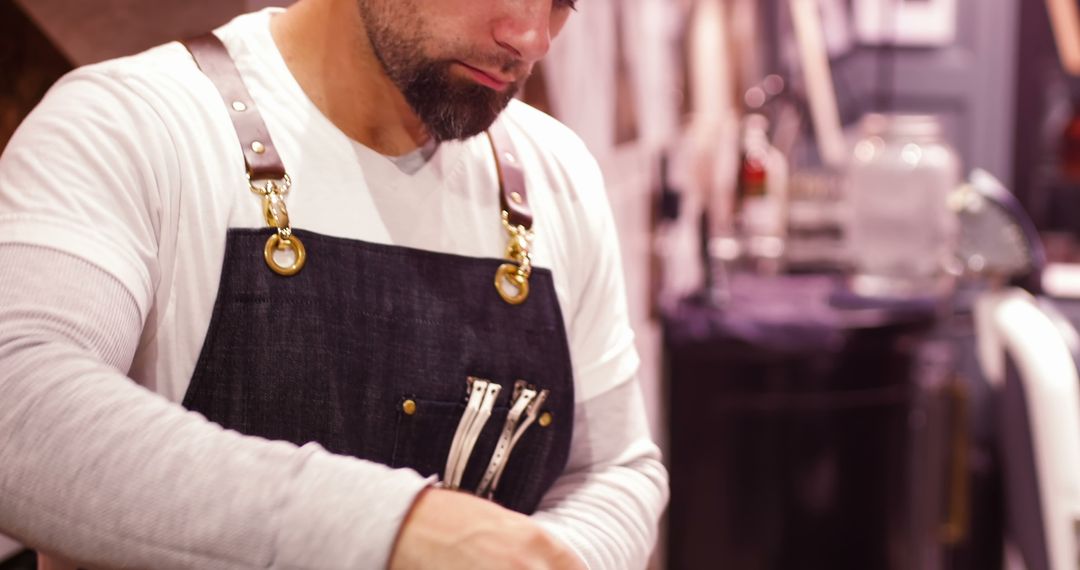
114, 200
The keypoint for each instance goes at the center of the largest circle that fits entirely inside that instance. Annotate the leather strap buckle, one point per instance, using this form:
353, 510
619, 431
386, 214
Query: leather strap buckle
266, 173
512, 279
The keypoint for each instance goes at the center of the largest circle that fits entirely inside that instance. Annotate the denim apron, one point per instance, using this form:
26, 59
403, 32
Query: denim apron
373, 350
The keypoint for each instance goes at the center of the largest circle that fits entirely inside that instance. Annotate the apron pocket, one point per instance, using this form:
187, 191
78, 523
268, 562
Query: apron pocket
425, 432
523, 482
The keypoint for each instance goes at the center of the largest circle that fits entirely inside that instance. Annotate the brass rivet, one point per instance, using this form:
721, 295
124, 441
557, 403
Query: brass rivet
239, 106
515, 197
409, 407
546, 419
258, 147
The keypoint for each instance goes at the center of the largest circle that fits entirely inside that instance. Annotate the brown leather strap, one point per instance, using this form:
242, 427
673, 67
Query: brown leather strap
212, 57
264, 163
515, 201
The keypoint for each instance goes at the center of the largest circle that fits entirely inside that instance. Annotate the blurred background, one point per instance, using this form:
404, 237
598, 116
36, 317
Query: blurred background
849, 230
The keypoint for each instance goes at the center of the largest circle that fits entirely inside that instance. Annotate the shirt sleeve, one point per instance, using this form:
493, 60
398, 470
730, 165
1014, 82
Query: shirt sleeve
104, 473
99, 470
607, 504
85, 174
601, 338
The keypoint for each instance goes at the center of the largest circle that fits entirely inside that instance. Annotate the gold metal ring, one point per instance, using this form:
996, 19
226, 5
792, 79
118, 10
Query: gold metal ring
277, 243
508, 275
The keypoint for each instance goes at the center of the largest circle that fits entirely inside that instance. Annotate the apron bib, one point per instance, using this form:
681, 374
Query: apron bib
357, 353
379, 351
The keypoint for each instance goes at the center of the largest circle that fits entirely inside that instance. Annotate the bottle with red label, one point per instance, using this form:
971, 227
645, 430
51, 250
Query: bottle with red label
760, 196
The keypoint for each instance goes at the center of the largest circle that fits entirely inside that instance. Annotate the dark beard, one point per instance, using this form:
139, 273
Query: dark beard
450, 108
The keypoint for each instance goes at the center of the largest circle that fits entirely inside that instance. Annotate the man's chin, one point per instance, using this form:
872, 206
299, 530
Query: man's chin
465, 120
443, 132
451, 106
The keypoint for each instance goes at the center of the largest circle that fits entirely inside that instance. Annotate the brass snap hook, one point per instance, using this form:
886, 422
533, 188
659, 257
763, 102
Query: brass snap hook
510, 275
275, 211
275, 243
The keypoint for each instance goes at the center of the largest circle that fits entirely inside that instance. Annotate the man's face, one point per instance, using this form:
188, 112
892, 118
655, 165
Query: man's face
459, 62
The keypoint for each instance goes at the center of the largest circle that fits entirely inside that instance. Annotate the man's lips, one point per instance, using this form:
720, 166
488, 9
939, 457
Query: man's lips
487, 78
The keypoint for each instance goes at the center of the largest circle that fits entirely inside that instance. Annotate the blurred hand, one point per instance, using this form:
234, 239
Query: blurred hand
448, 530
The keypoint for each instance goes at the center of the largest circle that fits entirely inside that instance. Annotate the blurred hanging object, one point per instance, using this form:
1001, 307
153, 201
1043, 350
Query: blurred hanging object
746, 46
712, 136
836, 23
711, 144
626, 114
710, 67
820, 91
1065, 20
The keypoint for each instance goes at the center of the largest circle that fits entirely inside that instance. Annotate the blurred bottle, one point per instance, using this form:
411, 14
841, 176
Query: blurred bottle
761, 196
901, 231
663, 273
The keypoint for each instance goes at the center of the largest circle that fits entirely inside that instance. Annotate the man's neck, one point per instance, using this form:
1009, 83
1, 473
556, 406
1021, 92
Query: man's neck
326, 48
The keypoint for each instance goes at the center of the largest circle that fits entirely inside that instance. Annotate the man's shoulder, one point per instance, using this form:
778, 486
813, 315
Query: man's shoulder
560, 166
167, 63
161, 77
154, 107
551, 140
537, 122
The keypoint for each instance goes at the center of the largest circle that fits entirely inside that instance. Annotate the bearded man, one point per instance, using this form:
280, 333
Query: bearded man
315, 291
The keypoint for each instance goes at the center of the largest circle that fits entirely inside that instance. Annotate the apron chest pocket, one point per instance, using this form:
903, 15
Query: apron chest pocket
425, 433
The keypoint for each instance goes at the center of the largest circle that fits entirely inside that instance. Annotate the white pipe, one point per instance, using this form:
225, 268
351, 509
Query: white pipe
819, 85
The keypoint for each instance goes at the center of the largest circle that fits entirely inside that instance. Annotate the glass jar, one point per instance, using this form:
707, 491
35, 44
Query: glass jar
901, 231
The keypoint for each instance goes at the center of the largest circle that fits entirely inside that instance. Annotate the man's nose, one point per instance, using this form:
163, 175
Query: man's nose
525, 29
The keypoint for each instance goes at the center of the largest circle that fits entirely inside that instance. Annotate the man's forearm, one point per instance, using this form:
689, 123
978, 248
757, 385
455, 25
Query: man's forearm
101, 471
608, 503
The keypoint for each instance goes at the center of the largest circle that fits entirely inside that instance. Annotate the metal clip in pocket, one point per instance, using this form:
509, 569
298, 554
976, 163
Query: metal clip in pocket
482, 396
527, 402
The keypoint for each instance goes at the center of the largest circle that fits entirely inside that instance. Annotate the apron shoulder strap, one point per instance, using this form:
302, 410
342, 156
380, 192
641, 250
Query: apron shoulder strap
264, 163
212, 57
514, 199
